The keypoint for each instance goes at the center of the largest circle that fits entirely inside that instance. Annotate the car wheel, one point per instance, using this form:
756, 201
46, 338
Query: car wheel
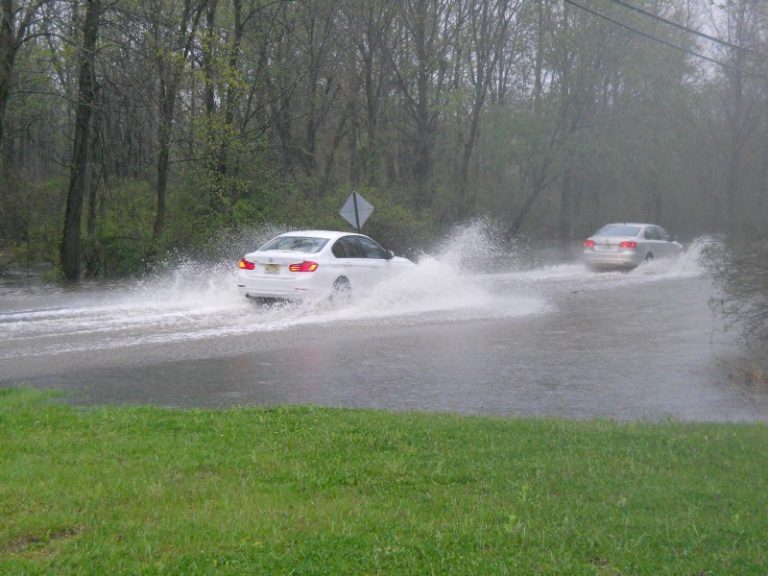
263, 301
649, 257
342, 291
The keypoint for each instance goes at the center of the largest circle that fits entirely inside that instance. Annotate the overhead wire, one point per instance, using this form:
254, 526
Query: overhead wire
687, 28
666, 42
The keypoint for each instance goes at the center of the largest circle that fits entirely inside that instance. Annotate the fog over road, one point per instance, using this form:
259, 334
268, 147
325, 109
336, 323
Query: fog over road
552, 341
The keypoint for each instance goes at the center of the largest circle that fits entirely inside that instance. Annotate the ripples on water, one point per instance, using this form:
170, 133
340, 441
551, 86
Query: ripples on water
196, 301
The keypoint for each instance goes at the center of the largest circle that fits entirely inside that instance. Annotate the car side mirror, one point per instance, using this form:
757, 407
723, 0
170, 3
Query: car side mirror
389, 254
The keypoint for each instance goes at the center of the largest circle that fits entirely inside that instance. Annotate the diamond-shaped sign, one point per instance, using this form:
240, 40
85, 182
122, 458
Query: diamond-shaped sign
356, 210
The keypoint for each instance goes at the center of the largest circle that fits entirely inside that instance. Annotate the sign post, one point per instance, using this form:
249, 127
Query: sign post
356, 210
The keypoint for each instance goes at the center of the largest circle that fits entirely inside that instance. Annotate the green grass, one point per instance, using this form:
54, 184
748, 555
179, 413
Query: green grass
142, 490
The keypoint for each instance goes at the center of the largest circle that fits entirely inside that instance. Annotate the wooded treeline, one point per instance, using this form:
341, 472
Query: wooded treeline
131, 127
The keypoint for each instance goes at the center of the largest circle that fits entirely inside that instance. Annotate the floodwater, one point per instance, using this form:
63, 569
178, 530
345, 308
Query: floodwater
449, 335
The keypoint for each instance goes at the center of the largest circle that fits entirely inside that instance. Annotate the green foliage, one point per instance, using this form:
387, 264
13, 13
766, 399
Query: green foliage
278, 119
395, 224
122, 240
740, 271
320, 491
30, 225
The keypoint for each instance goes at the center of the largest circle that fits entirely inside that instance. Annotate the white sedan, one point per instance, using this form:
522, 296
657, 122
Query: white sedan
314, 264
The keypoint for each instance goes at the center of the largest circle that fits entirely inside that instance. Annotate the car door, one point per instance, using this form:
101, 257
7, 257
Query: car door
376, 260
652, 242
351, 261
670, 246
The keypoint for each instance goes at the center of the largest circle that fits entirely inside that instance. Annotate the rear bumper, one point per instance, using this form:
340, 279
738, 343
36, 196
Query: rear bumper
295, 293
622, 259
279, 288
273, 294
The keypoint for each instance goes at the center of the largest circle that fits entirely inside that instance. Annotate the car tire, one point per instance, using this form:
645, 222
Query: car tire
264, 301
649, 257
342, 290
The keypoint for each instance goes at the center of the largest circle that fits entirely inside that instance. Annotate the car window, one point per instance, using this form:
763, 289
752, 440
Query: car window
347, 247
370, 249
651, 233
338, 249
295, 244
663, 234
618, 230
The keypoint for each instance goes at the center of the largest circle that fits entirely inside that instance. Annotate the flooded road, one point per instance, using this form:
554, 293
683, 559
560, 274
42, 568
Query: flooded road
549, 341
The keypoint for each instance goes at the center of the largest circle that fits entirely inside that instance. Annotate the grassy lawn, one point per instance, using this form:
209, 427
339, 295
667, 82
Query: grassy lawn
299, 490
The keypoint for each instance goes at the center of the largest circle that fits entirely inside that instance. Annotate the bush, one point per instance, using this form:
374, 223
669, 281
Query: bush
122, 239
393, 224
740, 271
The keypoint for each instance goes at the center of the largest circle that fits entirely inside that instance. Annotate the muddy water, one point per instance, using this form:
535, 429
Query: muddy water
552, 340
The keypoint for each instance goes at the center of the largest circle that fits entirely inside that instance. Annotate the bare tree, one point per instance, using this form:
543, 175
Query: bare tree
741, 106
16, 23
488, 24
741, 274
225, 85
368, 28
427, 30
171, 60
70, 244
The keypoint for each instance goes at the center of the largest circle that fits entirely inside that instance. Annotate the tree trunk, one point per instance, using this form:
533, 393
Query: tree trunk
233, 92
14, 24
92, 179
567, 210
468, 198
8, 49
733, 175
169, 86
372, 98
738, 136
208, 57
70, 244
538, 185
167, 106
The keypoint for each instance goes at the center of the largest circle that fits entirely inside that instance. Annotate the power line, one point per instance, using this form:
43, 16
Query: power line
687, 29
665, 42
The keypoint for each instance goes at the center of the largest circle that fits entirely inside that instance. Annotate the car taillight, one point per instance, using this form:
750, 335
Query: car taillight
589, 243
628, 244
246, 264
306, 266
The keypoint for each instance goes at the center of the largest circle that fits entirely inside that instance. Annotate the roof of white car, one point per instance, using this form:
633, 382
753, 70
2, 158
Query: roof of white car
330, 234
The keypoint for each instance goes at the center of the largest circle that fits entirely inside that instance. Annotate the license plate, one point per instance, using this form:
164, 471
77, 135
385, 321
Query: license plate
272, 268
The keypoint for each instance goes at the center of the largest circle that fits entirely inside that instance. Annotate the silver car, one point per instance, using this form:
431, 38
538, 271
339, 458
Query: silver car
626, 245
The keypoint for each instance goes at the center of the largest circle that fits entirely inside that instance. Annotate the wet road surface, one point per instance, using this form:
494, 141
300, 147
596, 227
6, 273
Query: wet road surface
552, 341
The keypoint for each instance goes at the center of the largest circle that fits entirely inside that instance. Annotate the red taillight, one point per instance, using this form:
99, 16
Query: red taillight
246, 264
306, 266
589, 243
628, 244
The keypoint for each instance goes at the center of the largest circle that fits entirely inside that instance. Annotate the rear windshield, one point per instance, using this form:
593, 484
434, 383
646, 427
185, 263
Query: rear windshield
618, 230
296, 244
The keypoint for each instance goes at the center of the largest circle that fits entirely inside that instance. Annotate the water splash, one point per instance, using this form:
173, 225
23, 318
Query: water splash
480, 246
188, 299
688, 264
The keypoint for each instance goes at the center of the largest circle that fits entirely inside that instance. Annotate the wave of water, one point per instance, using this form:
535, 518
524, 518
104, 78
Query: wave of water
194, 300
689, 264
